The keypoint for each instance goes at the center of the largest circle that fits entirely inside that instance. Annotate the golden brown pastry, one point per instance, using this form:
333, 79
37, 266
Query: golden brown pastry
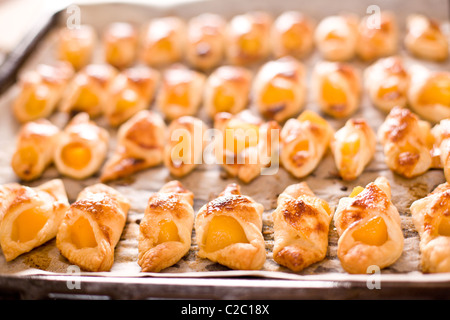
441, 148
431, 219
228, 230
92, 228
41, 90
76, 45
88, 90
336, 36
407, 143
184, 149
369, 228
35, 146
248, 38
140, 145
246, 144
353, 147
165, 231
377, 41
31, 216
301, 222
227, 89
205, 47
425, 38
131, 91
292, 35
81, 148
387, 82
303, 143
279, 90
163, 41
120, 41
181, 92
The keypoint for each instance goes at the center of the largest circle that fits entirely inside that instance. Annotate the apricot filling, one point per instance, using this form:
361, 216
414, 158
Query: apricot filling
436, 92
127, 100
240, 136
223, 101
312, 117
277, 92
444, 226
86, 100
28, 224
291, 40
179, 95
250, 45
356, 190
222, 232
76, 155
373, 232
28, 155
82, 235
391, 92
168, 231
333, 94
36, 102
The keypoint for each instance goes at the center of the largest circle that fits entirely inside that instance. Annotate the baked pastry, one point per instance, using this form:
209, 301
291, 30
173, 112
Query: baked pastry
205, 46
300, 222
131, 91
92, 227
279, 90
425, 38
165, 231
184, 149
387, 82
181, 92
353, 147
248, 38
227, 89
120, 43
163, 41
441, 148
336, 36
369, 228
76, 45
246, 146
336, 88
140, 145
34, 149
377, 41
40, 90
81, 148
88, 90
303, 143
292, 35
228, 230
407, 143
431, 220
31, 216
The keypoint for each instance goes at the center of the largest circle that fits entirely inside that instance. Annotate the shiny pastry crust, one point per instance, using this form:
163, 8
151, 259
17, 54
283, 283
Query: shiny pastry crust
131, 91
41, 90
353, 147
341, 76
163, 41
181, 92
425, 39
35, 145
407, 143
76, 45
248, 213
297, 159
352, 213
227, 89
184, 149
120, 41
88, 90
140, 145
377, 41
301, 222
172, 203
106, 211
441, 148
292, 35
279, 90
248, 38
82, 132
336, 36
427, 214
387, 83
49, 199
205, 47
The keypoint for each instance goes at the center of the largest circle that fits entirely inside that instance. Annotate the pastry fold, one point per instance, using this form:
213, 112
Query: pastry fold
441, 147
76, 45
92, 228
369, 228
120, 43
301, 222
166, 229
228, 231
30, 216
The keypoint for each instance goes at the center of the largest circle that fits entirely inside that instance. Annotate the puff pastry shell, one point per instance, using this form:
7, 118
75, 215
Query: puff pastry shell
120, 42
441, 148
76, 45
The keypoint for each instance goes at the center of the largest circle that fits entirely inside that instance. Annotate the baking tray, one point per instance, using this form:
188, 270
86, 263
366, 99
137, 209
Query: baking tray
36, 276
